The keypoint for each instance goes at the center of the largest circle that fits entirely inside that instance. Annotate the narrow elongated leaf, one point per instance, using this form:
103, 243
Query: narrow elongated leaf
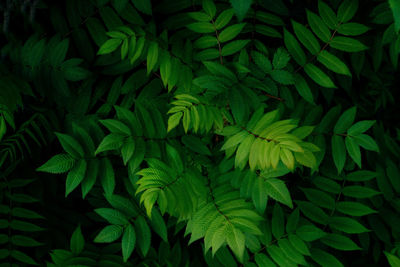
128, 242
112, 216
109, 46
366, 142
347, 225
75, 176
333, 63
338, 152
358, 191
324, 258
294, 48
306, 37
241, 7
318, 26
201, 27
354, 150
352, 29
109, 234
277, 190
318, 76
236, 241
233, 47
70, 145
58, 164
346, 10
354, 208
77, 242
224, 18
152, 56
309, 233
230, 32
345, 121
143, 235
303, 89
347, 44
327, 15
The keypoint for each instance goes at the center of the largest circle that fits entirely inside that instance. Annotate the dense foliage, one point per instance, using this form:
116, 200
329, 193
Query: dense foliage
199, 132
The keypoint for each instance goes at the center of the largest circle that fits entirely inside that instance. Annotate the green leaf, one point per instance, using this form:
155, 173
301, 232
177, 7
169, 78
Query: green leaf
107, 177
347, 225
327, 15
110, 142
359, 191
22, 257
353, 208
112, 216
339, 242
354, 150
75, 176
116, 126
282, 76
224, 18
143, 235
241, 7
318, 76
395, 7
109, 234
313, 212
393, 260
306, 38
360, 127
346, 10
143, 6
345, 121
318, 27
362, 175
299, 244
333, 63
77, 242
174, 120
277, 222
127, 150
324, 258
124, 49
230, 32
199, 16
281, 58
277, 190
352, 29
25, 213
60, 163
263, 260
236, 241
109, 46
366, 142
24, 241
128, 242
294, 48
90, 177
174, 158
338, 152
194, 143
309, 233
233, 47
209, 8
201, 27
70, 145
303, 89
152, 56
293, 221
319, 198
347, 44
